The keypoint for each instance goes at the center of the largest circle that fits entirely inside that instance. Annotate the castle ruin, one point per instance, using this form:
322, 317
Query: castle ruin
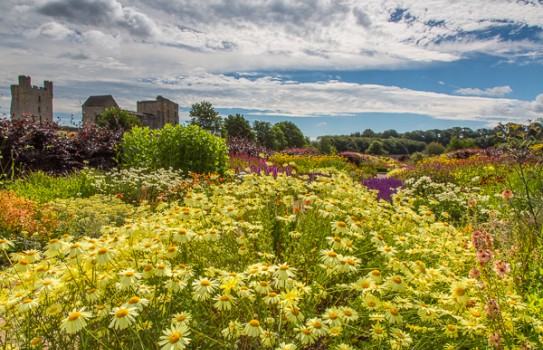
153, 114
96, 105
32, 101
37, 102
156, 114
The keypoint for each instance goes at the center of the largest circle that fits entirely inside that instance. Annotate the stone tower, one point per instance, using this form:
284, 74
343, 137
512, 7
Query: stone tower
28, 100
156, 114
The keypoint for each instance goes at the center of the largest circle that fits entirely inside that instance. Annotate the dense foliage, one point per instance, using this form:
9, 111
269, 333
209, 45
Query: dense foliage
115, 118
187, 148
29, 146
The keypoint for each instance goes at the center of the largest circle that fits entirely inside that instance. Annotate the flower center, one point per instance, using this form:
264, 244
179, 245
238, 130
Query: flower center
102, 251
74, 316
122, 313
174, 337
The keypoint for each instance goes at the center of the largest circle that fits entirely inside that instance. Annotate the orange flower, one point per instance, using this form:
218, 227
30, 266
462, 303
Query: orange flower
507, 194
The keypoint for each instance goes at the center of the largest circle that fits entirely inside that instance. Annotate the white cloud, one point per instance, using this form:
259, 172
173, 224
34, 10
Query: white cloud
53, 30
271, 96
498, 91
116, 46
321, 124
538, 104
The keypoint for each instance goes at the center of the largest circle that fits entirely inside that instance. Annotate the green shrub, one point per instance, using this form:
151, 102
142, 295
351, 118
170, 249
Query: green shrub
434, 148
187, 148
86, 216
115, 118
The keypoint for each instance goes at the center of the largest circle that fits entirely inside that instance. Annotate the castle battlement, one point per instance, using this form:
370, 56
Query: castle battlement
32, 101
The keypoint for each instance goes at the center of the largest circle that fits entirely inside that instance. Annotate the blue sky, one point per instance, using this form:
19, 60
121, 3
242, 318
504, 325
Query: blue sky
332, 67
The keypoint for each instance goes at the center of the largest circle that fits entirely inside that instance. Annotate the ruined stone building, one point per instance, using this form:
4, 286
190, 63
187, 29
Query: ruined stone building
28, 100
96, 105
154, 114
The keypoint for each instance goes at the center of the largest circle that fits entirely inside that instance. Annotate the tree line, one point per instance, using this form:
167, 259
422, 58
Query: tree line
285, 134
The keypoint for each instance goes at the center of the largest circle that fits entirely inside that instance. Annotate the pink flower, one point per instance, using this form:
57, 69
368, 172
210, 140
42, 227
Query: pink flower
502, 268
484, 256
481, 239
474, 273
495, 340
492, 308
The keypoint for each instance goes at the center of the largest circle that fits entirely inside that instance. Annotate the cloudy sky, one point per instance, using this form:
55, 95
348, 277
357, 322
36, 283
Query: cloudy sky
331, 66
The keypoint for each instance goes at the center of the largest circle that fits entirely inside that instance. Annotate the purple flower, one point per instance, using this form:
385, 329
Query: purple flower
386, 186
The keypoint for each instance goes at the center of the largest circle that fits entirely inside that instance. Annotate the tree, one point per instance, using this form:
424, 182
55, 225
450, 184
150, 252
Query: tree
376, 148
262, 132
115, 118
277, 138
457, 143
204, 115
368, 133
237, 126
434, 149
293, 135
388, 134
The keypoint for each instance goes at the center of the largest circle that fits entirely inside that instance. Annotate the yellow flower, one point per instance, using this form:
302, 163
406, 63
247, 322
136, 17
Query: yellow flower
123, 317
329, 257
451, 331
267, 339
332, 317
459, 292
203, 288
293, 314
393, 315
349, 314
253, 329
104, 254
175, 338
286, 346
224, 302
182, 318
396, 283
339, 226
371, 302
137, 302
233, 330
305, 335
6, 244
378, 332
283, 272
317, 327
76, 321
128, 278
28, 304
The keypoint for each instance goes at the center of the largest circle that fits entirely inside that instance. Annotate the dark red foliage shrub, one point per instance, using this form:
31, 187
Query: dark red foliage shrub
26, 145
470, 152
354, 157
239, 145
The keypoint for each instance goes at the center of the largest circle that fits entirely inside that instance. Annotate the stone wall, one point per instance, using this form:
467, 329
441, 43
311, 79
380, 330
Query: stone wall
163, 111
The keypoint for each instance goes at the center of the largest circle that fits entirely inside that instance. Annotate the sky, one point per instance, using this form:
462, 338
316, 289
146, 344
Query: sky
331, 66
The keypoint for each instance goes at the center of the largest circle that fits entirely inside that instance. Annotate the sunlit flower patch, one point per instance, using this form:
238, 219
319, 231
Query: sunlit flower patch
269, 263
